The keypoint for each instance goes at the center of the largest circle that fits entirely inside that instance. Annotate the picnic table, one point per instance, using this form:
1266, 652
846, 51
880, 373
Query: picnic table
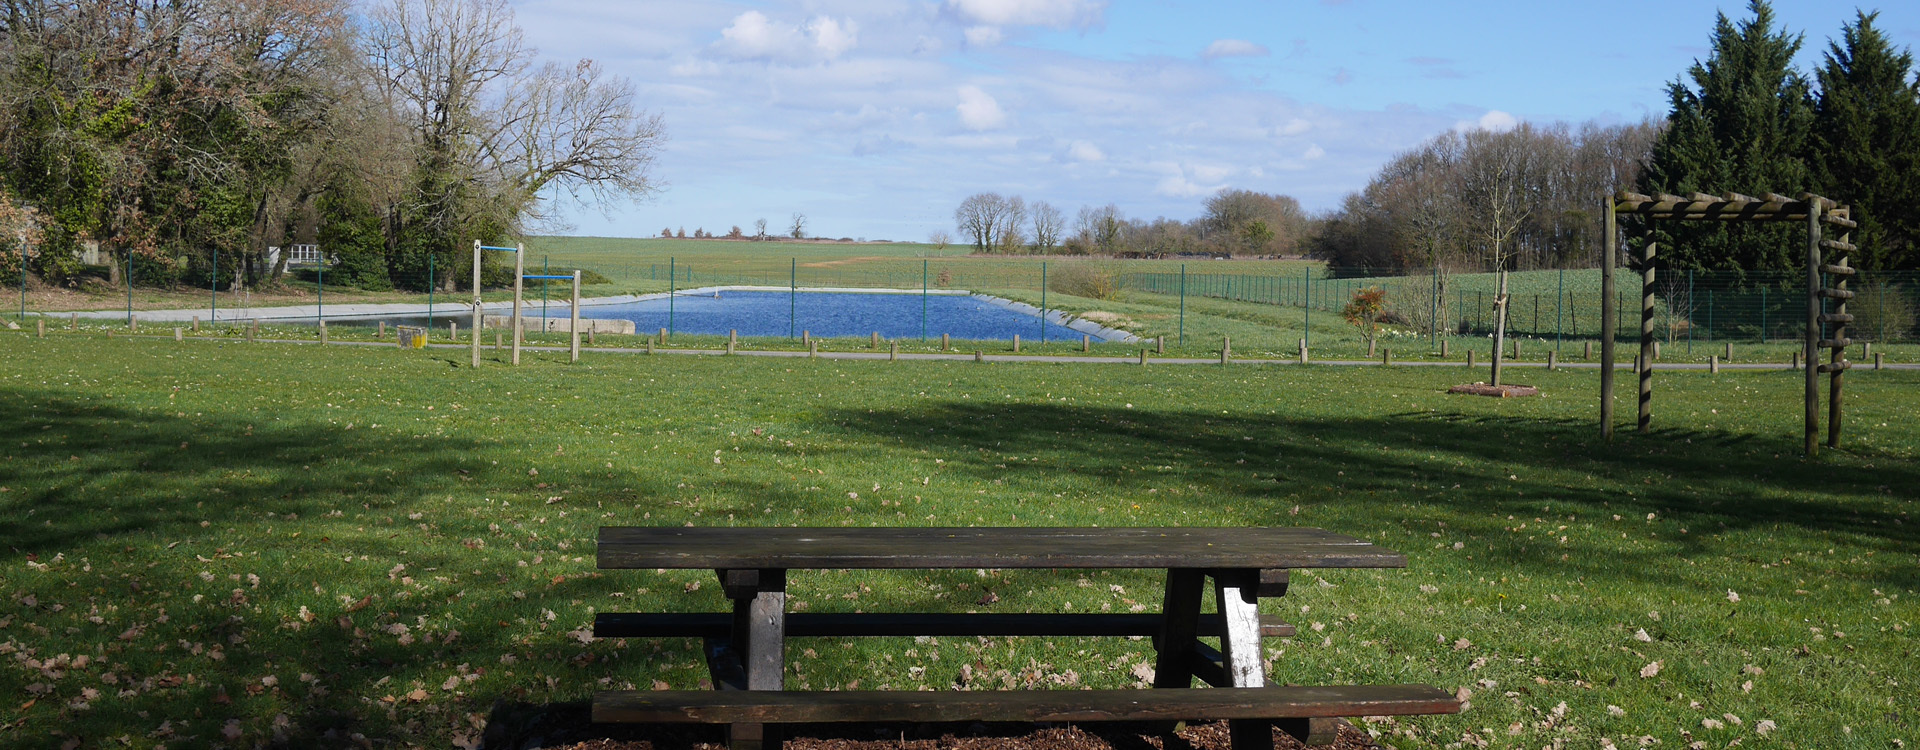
746, 648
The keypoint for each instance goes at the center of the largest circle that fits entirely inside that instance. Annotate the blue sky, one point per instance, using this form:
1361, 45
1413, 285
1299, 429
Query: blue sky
876, 117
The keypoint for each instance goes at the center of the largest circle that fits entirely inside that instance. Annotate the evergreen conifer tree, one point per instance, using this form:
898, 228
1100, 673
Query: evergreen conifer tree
1744, 124
1867, 142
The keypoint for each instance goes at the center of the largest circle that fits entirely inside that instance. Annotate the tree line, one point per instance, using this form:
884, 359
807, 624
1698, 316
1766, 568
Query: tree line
1233, 222
1743, 120
189, 136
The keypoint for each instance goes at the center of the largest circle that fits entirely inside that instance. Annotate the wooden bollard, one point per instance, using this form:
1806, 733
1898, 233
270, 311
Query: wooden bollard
178, 335
1443, 349
663, 337
323, 331
1226, 349
893, 352
133, 324
1143, 356
945, 345
1086, 344
40, 327
1866, 350
1469, 357
590, 337
453, 330
979, 356
813, 349
806, 338
497, 338
1586, 350
1516, 348
875, 343
1729, 355
1713, 364
1016, 343
729, 346
733, 337
1553, 360
1879, 361
1160, 345
1656, 351
196, 324
1794, 362
253, 330
1303, 351
1386, 356
383, 330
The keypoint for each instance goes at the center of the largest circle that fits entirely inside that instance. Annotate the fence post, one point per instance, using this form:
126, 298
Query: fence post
573, 353
1306, 326
923, 300
1559, 309
672, 275
1043, 302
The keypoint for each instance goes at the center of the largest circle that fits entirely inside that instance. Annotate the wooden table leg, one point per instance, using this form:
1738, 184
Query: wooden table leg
760, 638
1237, 594
1180, 620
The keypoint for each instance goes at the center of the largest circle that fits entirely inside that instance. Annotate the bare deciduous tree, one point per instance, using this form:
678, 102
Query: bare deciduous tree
1047, 226
939, 239
759, 229
980, 218
797, 226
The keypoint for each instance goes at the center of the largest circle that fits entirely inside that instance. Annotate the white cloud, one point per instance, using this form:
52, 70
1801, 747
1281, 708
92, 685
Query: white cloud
978, 109
1234, 48
752, 35
1295, 126
1494, 120
1084, 151
833, 38
983, 36
1059, 14
1313, 152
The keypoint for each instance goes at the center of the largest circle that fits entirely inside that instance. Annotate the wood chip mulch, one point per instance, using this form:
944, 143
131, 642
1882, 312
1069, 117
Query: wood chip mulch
1496, 391
1108, 736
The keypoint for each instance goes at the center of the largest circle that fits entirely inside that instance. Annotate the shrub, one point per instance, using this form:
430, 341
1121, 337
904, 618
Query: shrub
1366, 310
1085, 279
1882, 312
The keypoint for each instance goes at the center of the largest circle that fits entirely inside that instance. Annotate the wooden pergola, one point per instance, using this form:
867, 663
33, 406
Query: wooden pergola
1816, 212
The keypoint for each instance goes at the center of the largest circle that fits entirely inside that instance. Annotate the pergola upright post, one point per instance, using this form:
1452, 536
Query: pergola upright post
1648, 276
1812, 338
1841, 271
1609, 247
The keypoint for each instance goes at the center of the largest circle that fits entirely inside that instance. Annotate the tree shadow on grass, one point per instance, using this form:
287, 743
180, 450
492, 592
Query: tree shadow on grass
1713, 481
210, 581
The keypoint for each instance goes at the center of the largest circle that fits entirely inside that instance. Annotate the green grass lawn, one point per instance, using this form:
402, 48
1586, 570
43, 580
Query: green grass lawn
215, 543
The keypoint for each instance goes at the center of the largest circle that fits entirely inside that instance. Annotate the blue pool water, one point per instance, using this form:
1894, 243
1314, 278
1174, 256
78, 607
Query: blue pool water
894, 316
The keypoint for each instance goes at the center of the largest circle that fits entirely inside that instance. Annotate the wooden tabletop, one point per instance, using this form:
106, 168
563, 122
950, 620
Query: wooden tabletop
623, 547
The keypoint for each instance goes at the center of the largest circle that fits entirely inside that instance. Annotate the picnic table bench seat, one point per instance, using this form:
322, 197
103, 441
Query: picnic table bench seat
1165, 704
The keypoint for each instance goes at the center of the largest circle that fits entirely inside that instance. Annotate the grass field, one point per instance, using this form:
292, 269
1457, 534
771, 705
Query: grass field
221, 544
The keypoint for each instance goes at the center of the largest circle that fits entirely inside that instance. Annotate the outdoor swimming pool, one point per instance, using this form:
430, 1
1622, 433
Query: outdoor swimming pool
832, 314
